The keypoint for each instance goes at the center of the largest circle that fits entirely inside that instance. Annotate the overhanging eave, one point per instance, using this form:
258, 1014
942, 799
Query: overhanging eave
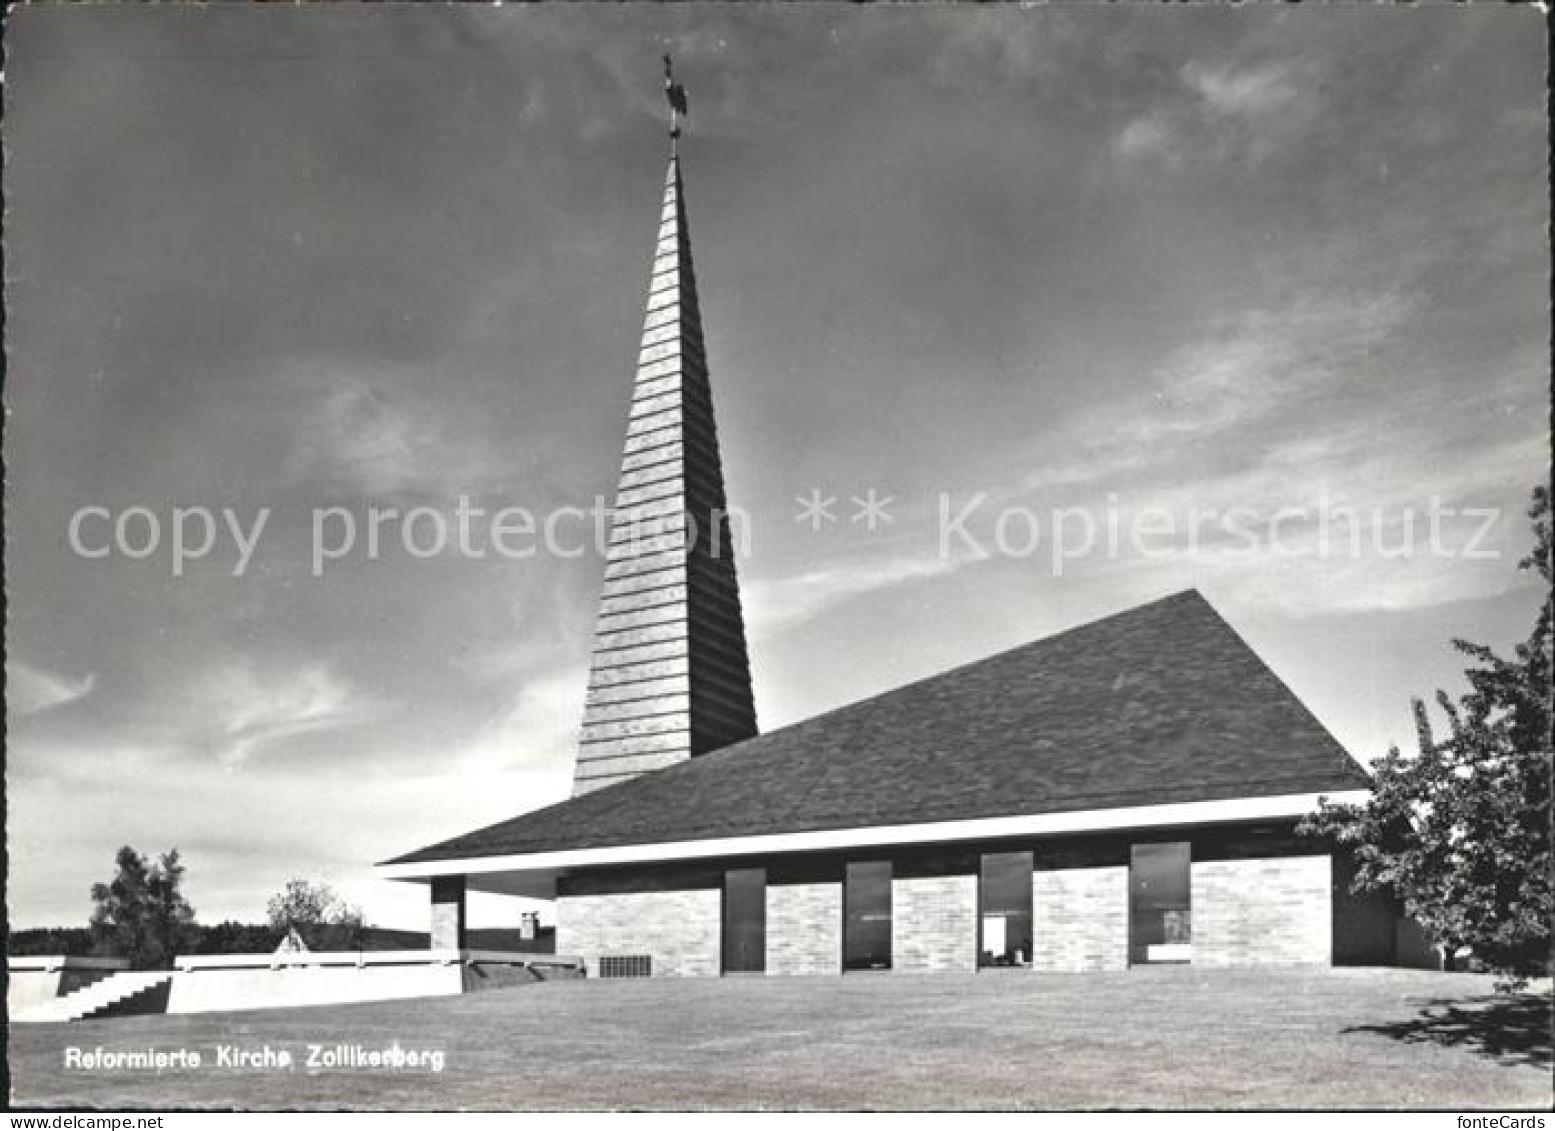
542, 868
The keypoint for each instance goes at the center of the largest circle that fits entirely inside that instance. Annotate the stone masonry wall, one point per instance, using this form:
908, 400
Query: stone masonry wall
934, 923
680, 930
1080, 919
804, 928
1262, 912
447, 929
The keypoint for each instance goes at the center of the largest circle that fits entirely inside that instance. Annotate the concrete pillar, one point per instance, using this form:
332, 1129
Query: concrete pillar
448, 913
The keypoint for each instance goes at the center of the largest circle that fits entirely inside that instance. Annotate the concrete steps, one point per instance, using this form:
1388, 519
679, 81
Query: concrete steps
108, 995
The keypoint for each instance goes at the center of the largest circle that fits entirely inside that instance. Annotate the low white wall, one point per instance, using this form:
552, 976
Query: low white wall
210, 990
212, 983
29, 988
35, 979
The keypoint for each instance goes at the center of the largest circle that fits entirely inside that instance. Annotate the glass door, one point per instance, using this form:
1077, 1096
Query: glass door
1004, 909
1159, 912
745, 921
866, 916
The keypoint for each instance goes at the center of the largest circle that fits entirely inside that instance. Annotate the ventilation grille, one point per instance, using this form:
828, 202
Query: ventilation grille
626, 966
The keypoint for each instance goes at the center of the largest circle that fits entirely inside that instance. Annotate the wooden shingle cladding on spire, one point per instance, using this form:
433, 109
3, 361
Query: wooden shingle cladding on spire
670, 677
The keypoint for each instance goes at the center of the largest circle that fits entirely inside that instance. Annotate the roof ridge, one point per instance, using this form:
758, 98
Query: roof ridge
1004, 653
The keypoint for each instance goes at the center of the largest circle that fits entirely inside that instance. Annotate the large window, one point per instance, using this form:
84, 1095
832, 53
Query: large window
1160, 923
745, 921
866, 916
1004, 911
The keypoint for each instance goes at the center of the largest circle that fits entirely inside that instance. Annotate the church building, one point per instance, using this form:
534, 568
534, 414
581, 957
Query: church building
1123, 793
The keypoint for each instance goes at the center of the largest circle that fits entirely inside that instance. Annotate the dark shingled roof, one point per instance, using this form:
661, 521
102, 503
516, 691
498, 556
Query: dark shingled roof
1162, 703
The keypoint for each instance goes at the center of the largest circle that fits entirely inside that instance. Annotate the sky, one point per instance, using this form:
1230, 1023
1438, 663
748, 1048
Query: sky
995, 264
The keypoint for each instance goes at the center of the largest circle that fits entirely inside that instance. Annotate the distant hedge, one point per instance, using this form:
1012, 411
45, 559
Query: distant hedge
76, 942
39, 941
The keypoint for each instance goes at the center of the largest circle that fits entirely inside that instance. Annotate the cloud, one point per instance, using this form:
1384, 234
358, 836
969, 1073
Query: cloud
972, 248
1331, 524
979, 48
1220, 112
30, 690
242, 839
1255, 362
244, 712
1389, 568
1212, 429
538, 727
772, 605
385, 434
362, 435
1249, 92
1245, 369
1150, 135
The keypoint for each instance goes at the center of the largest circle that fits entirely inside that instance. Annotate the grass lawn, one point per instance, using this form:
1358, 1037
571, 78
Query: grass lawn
1160, 1038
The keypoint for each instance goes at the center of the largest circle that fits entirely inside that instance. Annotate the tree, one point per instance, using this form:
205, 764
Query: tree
1460, 833
314, 911
141, 914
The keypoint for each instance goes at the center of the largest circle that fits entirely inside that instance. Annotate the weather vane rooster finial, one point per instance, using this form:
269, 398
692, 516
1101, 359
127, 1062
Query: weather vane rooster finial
677, 99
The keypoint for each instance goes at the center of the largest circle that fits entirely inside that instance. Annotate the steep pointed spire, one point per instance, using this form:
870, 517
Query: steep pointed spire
670, 677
